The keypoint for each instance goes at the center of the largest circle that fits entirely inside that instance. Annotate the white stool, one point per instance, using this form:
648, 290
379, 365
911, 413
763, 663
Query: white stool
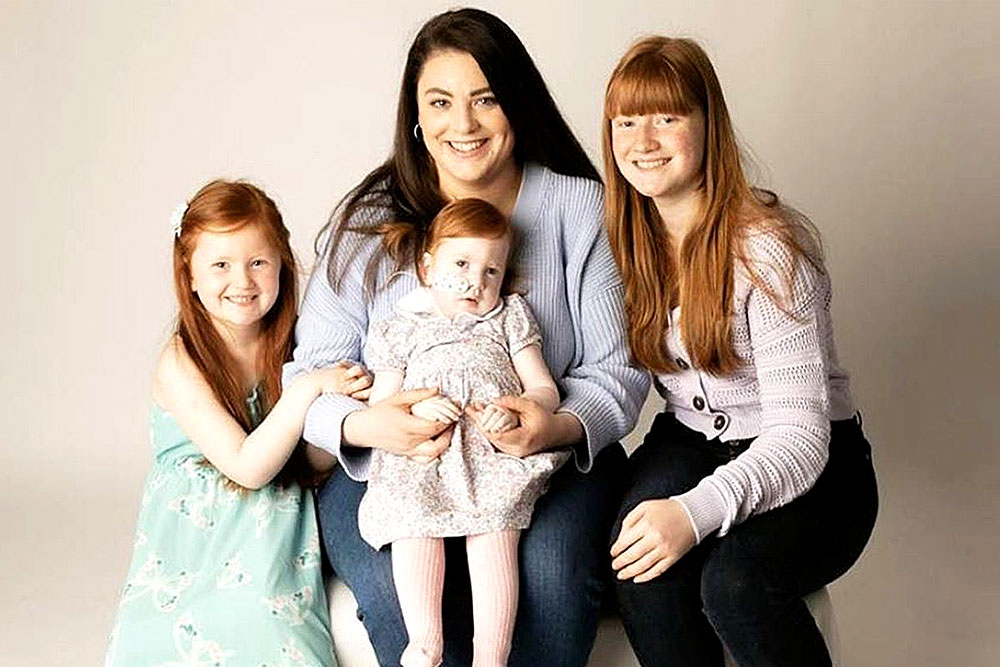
610, 650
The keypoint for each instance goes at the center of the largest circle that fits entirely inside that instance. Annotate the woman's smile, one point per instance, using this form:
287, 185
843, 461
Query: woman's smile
466, 147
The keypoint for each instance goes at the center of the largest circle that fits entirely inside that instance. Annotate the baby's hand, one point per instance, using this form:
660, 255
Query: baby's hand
345, 377
496, 419
436, 409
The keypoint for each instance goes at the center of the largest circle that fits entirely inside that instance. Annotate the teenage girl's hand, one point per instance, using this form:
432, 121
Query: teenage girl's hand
653, 537
390, 426
437, 409
493, 418
538, 429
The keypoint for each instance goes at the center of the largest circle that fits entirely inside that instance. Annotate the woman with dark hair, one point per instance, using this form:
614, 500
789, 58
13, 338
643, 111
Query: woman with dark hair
476, 120
755, 486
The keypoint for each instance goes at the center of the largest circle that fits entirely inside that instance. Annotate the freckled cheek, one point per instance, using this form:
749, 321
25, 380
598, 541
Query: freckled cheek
620, 151
694, 146
697, 157
618, 146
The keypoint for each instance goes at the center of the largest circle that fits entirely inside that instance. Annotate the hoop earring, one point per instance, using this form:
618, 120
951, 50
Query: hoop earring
417, 133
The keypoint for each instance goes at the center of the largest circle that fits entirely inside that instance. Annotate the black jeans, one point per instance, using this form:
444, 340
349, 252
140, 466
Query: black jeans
744, 590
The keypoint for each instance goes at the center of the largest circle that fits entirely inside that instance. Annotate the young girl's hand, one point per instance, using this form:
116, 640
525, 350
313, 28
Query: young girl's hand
493, 418
436, 409
344, 377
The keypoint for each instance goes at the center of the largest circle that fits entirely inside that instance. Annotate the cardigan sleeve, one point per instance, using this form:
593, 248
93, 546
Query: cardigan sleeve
784, 461
602, 388
331, 327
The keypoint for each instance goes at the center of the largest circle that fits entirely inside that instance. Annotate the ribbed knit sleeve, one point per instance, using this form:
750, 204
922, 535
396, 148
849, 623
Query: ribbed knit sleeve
602, 389
331, 327
787, 347
571, 284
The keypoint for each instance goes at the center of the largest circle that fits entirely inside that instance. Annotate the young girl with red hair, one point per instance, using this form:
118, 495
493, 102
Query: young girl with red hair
464, 333
226, 562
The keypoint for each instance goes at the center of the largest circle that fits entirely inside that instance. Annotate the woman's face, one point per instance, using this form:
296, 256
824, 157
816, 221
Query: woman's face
660, 154
464, 128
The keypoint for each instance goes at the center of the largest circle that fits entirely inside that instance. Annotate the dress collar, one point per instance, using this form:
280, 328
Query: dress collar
419, 305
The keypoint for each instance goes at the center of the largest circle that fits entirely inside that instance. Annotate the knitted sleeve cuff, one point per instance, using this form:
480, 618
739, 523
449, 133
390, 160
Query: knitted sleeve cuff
324, 428
705, 507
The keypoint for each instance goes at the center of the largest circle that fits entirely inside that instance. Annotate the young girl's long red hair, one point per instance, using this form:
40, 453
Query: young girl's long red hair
227, 206
675, 76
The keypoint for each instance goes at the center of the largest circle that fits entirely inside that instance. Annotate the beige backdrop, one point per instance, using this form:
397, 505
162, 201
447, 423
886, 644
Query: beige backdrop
878, 119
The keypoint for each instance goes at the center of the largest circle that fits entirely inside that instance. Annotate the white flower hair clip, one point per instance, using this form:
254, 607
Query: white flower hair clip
177, 218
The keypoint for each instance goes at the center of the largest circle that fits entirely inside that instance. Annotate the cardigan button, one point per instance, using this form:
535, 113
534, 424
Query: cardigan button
719, 423
699, 403
683, 365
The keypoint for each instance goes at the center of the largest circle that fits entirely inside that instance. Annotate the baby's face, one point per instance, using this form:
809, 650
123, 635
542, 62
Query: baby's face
465, 273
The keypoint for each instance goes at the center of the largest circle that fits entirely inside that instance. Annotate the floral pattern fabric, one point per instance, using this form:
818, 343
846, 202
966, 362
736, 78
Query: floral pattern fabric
471, 488
219, 576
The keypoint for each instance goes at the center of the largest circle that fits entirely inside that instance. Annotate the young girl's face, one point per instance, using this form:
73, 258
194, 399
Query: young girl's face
465, 273
235, 275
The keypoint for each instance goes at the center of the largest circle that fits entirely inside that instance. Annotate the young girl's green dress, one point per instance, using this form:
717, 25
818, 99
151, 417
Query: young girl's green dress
219, 576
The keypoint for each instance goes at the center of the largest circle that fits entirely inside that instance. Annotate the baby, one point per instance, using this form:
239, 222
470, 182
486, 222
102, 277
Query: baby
459, 333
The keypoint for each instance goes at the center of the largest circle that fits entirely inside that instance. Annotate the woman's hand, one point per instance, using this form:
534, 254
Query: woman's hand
654, 536
538, 429
389, 425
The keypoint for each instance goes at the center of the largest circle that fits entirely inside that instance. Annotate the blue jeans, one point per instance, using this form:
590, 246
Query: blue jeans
744, 590
564, 566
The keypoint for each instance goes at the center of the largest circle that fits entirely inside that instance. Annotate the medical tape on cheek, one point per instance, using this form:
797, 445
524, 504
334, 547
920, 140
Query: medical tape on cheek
452, 283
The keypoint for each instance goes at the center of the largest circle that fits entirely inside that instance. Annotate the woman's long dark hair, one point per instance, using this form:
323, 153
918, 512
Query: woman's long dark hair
398, 199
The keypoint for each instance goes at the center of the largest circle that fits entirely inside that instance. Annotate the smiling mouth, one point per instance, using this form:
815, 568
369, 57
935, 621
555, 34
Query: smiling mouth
651, 164
241, 300
466, 146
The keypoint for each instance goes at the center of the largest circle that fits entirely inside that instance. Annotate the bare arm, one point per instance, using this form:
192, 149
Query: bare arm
536, 378
319, 459
249, 460
385, 384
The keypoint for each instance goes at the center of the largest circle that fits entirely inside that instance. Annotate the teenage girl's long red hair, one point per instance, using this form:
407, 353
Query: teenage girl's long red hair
666, 75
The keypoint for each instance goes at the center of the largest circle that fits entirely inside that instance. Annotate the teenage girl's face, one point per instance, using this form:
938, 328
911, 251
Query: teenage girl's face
660, 154
465, 274
235, 275
463, 127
